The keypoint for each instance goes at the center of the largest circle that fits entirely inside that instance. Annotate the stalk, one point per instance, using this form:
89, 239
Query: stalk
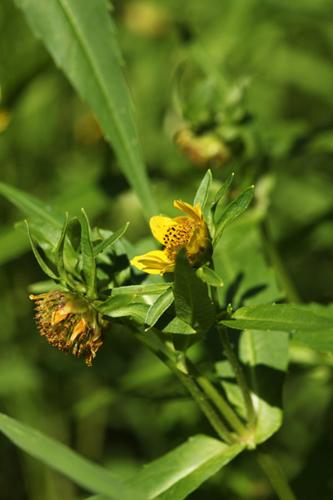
275, 476
239, 374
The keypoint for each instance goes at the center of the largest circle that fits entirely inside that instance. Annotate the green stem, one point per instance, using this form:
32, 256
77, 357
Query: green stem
239, 374
219, 401
178, 367
276, 476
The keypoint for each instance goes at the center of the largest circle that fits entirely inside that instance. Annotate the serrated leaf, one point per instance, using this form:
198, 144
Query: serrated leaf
88, 258
58, 456
161, 304
232, 211
82, 42
281, 317
209, 276
111, 240
181, 471
201, 195
192, 302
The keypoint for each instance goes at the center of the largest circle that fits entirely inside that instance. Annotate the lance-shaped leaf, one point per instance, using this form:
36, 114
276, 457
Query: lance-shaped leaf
310, 325
82, 41
181, 471
192, 303
58, 456
111, 240
285, 317
43, 265
149, 289
158, 308
201, 195
232, 211
88, 258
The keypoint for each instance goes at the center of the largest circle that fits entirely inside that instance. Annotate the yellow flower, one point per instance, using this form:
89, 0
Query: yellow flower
189, 232
69, 323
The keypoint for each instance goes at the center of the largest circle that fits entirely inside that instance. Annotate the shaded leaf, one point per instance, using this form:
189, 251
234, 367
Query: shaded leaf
192, 303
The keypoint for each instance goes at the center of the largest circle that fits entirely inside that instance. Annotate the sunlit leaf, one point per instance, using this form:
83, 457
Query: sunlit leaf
58, 456
82, 42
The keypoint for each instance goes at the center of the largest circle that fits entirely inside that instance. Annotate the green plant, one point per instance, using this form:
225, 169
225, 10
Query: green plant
216, 306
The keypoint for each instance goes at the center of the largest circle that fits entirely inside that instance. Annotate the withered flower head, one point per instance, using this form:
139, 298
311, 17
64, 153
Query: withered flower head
69, 323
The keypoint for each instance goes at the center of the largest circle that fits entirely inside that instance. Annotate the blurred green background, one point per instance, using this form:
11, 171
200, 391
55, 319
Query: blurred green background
254, 77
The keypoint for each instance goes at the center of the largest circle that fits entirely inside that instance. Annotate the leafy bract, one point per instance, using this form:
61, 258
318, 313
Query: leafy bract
83, 44
202, 193
232, 211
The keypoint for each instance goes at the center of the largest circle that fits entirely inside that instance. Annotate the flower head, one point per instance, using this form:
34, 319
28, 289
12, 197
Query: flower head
69, 323
188, 231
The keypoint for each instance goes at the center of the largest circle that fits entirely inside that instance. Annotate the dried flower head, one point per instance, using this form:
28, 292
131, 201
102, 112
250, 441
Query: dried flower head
189, 232
69, 323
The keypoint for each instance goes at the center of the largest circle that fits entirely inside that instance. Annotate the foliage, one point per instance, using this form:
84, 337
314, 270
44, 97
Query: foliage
230, 354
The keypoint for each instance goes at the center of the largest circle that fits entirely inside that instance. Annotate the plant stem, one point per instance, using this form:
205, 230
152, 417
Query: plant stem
159, 348
239, 374
219, 401
276, 476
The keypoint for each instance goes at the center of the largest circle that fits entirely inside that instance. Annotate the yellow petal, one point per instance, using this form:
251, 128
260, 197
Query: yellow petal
154, 262
159, 224
192, 211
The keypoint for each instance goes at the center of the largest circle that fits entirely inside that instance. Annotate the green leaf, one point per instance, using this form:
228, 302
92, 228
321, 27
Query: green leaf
220, 195
59, 250
311, 325
150, 289
111, 240
45, 268
201, 195
58, 456
265, 367
281, 317
178, 326
161, 304
232, 211
209, 276
82, 43
88, 258
249, 280
181, 471
120, 307
48, 219
192, 303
